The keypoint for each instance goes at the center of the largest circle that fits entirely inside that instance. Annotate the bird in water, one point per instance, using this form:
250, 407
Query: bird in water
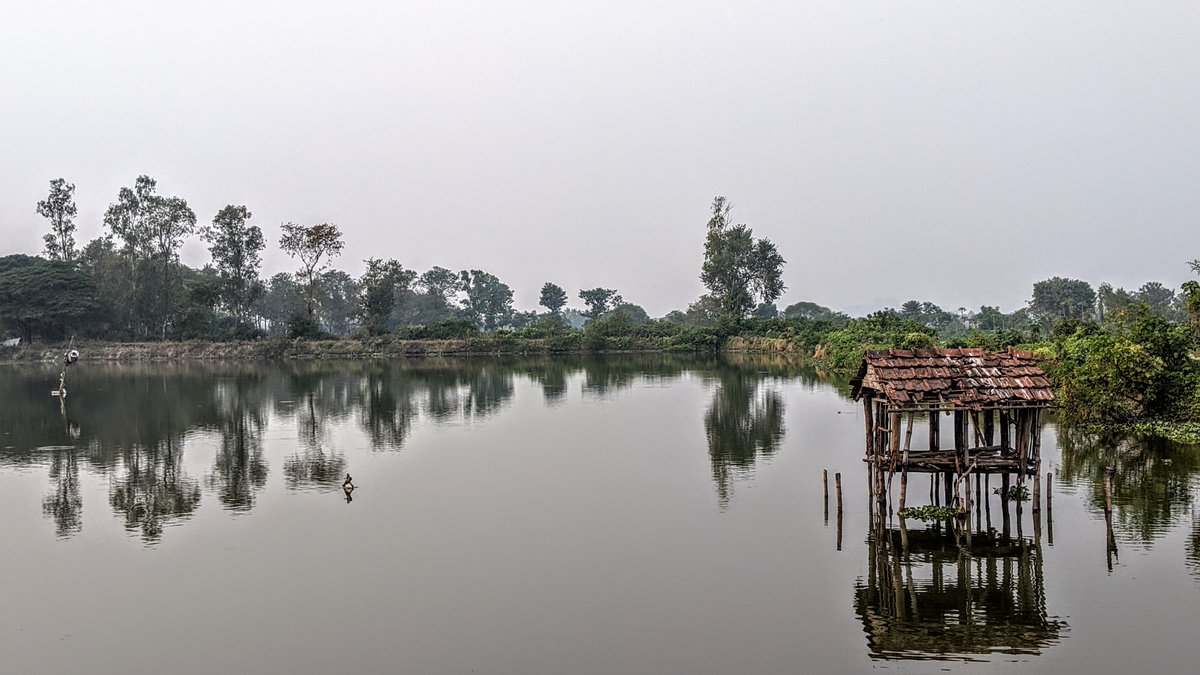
348, 484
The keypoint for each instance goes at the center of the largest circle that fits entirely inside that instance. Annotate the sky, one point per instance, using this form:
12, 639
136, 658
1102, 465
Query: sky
950, 152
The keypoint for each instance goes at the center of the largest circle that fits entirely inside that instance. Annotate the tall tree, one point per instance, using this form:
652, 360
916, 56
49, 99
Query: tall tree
378, 289
738, 269
599, 301
314, 246
336, 301
59, 209
283, 299
554, 298
488, 301
441, 285
236, 249
152, 228
1058, 298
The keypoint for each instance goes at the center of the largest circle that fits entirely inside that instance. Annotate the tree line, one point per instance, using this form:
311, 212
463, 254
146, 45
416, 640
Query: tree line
129, 283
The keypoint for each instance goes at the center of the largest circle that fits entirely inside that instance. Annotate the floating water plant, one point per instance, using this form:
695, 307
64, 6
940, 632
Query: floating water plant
928, 512
1015, 492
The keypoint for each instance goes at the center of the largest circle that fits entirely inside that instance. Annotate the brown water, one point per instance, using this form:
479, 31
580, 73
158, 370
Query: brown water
657, 514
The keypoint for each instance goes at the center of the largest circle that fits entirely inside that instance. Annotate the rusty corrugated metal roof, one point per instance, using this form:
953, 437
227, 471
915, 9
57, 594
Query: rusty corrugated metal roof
960, 377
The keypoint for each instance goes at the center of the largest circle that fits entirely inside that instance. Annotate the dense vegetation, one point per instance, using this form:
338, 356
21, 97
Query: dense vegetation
1115, 355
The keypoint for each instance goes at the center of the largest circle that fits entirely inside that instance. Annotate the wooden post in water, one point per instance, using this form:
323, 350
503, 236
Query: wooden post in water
1050, 508
837, 481
825, 484
1108, 489
1005, 445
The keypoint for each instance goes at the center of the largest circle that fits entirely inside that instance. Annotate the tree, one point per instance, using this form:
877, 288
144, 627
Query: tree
599, 301
489, 300
1058, 298
383, 281
59, 209
315, 246
766, 310
814, 312
738, 269
283, 298
152, 228
1158, 297
337, 300
39, 296
554, 298
441, 284
630, 311
236, 249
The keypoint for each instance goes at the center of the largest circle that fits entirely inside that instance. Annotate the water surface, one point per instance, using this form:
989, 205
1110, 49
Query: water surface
653, 514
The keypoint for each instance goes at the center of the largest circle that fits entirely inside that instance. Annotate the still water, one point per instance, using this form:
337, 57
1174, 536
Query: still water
657, 514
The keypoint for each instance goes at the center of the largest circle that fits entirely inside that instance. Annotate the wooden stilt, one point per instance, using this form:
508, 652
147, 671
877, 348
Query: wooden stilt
825, 485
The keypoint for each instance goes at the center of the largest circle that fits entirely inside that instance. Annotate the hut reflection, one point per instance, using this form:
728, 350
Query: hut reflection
936, 594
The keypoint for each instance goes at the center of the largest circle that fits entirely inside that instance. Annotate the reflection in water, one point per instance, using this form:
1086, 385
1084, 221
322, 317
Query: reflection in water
132, 423
930, 594
64, 504
239, 469
1153, 481
154, 489
744, 421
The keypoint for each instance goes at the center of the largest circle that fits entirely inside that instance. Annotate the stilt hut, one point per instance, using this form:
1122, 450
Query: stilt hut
997, 401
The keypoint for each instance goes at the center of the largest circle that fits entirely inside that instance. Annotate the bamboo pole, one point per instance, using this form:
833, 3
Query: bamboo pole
837, 479
825, 485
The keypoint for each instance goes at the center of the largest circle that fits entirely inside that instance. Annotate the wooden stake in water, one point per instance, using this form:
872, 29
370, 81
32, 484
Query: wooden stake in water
837, 482
825, 482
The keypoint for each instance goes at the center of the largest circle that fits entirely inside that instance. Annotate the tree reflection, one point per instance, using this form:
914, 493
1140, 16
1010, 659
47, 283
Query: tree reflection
744, 421
1152, 485
239, 469
64, 504
154, 489
313, 466
932, 594
389, 409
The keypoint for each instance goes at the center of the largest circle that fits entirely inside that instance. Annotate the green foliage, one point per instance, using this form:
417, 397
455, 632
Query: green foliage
738, 269
304, 327
631, 311
378, 289
814, 312
928, 512
1139, 368
1058, 298
599, 301
43, 297
314, 246
449, 329
236, 249
886, 329
553, 297
1016, 493
488, 301
59, 209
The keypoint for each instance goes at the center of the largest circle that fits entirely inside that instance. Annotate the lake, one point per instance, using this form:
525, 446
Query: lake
621, 514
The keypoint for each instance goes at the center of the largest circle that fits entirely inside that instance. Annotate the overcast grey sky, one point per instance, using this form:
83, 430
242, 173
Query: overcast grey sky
947, 151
